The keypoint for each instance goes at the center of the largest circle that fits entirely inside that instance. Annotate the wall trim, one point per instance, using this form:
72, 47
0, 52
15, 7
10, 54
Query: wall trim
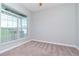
5, 50
68, 45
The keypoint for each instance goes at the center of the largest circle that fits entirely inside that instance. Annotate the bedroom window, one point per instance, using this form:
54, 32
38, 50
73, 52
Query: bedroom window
13, 25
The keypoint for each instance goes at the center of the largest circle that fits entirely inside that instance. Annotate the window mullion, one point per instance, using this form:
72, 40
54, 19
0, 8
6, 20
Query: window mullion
18, 28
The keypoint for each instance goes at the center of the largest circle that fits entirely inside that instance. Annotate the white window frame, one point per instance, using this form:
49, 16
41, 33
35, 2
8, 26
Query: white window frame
18, 38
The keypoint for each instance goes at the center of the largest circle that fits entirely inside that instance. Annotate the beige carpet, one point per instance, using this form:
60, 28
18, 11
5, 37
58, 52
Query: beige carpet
34, 48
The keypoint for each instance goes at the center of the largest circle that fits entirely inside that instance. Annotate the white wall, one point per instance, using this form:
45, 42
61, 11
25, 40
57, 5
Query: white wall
77, 24
55, 24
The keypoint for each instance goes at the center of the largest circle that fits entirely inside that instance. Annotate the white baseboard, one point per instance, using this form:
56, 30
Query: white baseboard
56, 43
5, 50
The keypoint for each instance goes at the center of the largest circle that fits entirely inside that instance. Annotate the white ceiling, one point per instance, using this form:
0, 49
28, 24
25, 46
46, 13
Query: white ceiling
35, 6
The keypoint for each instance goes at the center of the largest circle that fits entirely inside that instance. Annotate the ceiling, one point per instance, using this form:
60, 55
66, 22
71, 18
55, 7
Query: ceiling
35, 6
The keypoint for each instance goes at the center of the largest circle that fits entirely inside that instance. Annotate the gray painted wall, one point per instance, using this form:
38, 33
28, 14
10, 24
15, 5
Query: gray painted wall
77, 24
56, 24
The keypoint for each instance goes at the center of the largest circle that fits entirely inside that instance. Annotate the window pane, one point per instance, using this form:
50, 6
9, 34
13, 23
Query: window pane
8, 27
3, 27
12, 27
23, 27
